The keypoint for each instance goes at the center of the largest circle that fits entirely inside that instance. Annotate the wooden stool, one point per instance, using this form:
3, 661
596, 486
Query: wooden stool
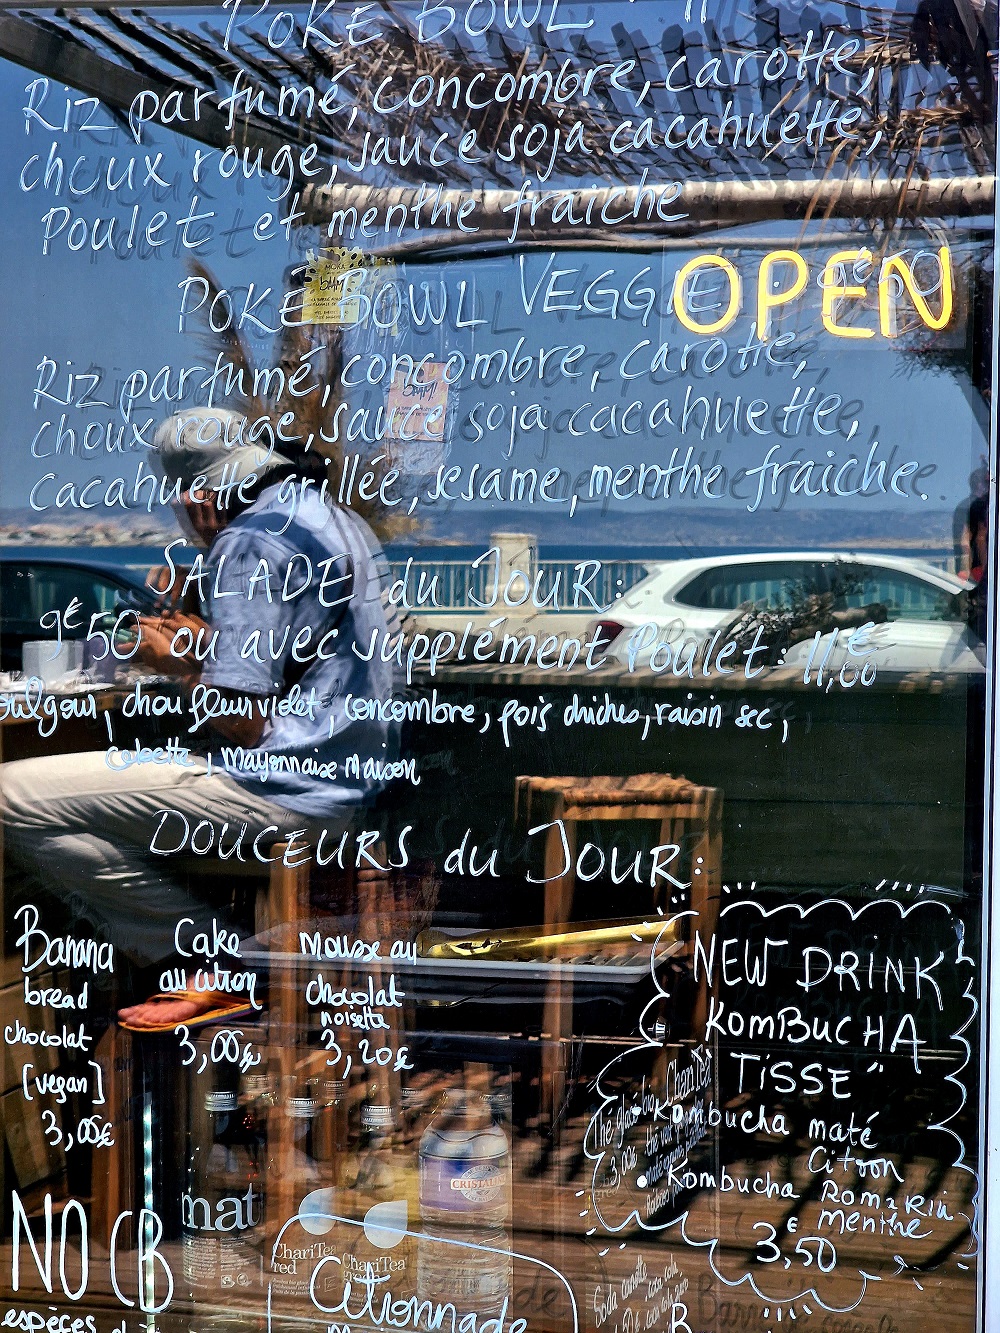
283, 897
287, 905
690, 818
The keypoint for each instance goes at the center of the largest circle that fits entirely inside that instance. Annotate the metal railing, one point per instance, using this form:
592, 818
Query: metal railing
458, 585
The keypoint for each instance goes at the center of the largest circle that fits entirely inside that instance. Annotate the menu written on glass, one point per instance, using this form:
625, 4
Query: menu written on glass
494, 639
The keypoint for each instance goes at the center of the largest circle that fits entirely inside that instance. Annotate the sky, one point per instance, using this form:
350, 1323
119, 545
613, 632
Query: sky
117, 317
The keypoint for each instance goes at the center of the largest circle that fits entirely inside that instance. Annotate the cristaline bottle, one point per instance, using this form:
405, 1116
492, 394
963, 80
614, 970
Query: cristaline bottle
465, 1169
465, 1206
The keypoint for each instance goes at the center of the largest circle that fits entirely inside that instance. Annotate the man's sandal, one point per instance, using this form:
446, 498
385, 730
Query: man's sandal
223, 1009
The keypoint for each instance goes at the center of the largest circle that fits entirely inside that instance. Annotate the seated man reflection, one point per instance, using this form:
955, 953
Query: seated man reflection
287, 583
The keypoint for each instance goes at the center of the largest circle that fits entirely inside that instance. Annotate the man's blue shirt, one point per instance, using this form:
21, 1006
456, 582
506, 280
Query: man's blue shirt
303, 581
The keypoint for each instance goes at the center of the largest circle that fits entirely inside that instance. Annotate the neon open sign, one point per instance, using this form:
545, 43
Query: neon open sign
782, 278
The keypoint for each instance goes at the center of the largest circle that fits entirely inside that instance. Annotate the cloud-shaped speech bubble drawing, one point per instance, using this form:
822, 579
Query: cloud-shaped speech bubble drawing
812, 1133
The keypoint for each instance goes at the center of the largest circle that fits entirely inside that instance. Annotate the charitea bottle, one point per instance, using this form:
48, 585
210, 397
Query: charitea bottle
332, 1128
257, 1095
300, 1221
374, 1197
257, 1102
222, 1205
465, 1207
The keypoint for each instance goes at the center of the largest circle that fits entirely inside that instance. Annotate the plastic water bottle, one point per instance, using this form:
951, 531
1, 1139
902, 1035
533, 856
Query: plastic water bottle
465, 1207
465, 1167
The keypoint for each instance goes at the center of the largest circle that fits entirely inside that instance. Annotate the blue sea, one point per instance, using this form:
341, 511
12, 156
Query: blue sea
140, 558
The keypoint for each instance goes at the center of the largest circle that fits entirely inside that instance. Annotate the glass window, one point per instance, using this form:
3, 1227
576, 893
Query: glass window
29, 591
418, 920
904, 596
775, 585
16, 593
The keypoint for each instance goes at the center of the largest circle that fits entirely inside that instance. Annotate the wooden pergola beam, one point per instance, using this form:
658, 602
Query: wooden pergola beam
650, 210
72, 63
642, 212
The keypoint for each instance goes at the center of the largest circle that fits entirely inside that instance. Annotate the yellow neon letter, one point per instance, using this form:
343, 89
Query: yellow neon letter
768, 300
896, 265
833, 291
735, 288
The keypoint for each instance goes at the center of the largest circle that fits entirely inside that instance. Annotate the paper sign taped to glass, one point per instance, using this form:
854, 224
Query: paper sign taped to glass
417, 408
334, 288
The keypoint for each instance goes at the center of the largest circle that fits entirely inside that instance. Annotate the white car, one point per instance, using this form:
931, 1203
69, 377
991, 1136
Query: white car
685, 601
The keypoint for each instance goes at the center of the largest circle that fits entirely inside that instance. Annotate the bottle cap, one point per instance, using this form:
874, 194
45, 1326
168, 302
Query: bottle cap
500, 1104
376, 1117
302, 1108
220, 1101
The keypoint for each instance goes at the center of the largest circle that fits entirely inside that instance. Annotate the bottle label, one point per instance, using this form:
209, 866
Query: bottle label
220, 1263
478, 1182
292, 1260
456, 1186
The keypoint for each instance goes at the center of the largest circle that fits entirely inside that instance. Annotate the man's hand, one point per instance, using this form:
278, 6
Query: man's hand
154, 652
157, 636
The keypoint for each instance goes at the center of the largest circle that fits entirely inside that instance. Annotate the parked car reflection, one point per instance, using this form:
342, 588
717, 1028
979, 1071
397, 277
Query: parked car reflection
31, 586
920, 612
